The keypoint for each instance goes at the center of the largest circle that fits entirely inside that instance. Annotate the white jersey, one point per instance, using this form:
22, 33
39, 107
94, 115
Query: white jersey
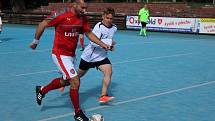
93, 52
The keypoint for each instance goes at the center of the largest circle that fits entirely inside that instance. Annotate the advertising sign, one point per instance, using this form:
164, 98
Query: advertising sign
164, 24
207, 25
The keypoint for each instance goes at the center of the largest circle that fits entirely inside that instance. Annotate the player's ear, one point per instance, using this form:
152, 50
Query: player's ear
103, 16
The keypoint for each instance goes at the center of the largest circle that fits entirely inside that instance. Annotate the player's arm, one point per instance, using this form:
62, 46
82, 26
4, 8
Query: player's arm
39, 31
96, 40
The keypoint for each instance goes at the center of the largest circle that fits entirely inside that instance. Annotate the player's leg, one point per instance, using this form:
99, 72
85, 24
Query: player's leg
107, 72
81, 72
66, 66
141, 31
54, 84
106, 69
74, 96
144, 28
84, 66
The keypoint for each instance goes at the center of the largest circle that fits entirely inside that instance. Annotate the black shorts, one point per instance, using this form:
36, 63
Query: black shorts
143, 24
84, 65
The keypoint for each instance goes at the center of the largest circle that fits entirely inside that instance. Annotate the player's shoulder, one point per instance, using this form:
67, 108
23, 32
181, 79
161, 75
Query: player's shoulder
114, 25
101, 25
60, 13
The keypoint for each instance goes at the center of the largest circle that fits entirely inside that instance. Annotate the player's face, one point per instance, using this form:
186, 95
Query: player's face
107, 19
145, 6
81, 8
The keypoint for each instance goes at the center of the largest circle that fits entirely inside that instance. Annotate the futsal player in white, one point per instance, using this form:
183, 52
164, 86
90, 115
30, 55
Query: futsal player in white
96, 56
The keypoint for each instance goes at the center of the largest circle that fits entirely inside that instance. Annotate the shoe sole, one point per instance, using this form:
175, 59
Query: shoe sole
111, 99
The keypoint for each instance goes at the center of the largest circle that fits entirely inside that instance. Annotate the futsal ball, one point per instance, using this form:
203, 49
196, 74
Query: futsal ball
97, 117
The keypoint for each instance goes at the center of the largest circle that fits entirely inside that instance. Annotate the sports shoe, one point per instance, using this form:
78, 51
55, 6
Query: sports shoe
105, 99
39, 95
80, 116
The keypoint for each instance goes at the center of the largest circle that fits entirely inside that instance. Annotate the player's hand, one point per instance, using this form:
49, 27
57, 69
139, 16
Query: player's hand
107, 47
112, 48
113, 43
33, 46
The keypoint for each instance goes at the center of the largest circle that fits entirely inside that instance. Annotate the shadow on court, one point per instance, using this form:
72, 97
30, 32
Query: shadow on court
6, 39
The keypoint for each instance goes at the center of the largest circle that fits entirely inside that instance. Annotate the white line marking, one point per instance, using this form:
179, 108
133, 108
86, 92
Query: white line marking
153, 58
133, 100
25, 74
127, 61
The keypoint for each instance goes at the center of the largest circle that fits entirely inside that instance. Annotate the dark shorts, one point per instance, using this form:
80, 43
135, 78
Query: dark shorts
143, 24
84, 65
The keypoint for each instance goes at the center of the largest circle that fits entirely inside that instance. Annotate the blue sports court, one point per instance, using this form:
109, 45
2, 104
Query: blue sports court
162, 77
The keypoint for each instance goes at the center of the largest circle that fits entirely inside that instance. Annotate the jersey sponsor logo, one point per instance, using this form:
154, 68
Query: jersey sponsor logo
68, 19
71, 34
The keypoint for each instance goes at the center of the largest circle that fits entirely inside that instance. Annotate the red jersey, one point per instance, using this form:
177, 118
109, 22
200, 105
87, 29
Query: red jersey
67, 29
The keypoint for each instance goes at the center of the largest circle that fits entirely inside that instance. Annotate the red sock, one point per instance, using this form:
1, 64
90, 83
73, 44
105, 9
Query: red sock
55, 84
74, 96
82, 42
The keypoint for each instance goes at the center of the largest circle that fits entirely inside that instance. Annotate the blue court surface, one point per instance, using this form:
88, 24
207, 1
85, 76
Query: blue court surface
162, 77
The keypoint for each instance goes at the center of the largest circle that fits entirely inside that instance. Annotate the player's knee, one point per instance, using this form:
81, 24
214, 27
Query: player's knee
64, 82
108, 73
74, 82
107, 76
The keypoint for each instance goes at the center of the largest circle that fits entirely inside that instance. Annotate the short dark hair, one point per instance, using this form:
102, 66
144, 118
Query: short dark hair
77, 1
109, 11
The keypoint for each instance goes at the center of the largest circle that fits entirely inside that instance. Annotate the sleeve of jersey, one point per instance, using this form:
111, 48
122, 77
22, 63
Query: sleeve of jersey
54, 19
86, 25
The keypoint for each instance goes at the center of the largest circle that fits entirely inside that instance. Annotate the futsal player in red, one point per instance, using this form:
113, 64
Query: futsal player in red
68, 25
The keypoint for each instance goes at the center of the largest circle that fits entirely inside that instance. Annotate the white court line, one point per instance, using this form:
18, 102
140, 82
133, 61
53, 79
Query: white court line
133, 100
25, 74
127, 61
153, 58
